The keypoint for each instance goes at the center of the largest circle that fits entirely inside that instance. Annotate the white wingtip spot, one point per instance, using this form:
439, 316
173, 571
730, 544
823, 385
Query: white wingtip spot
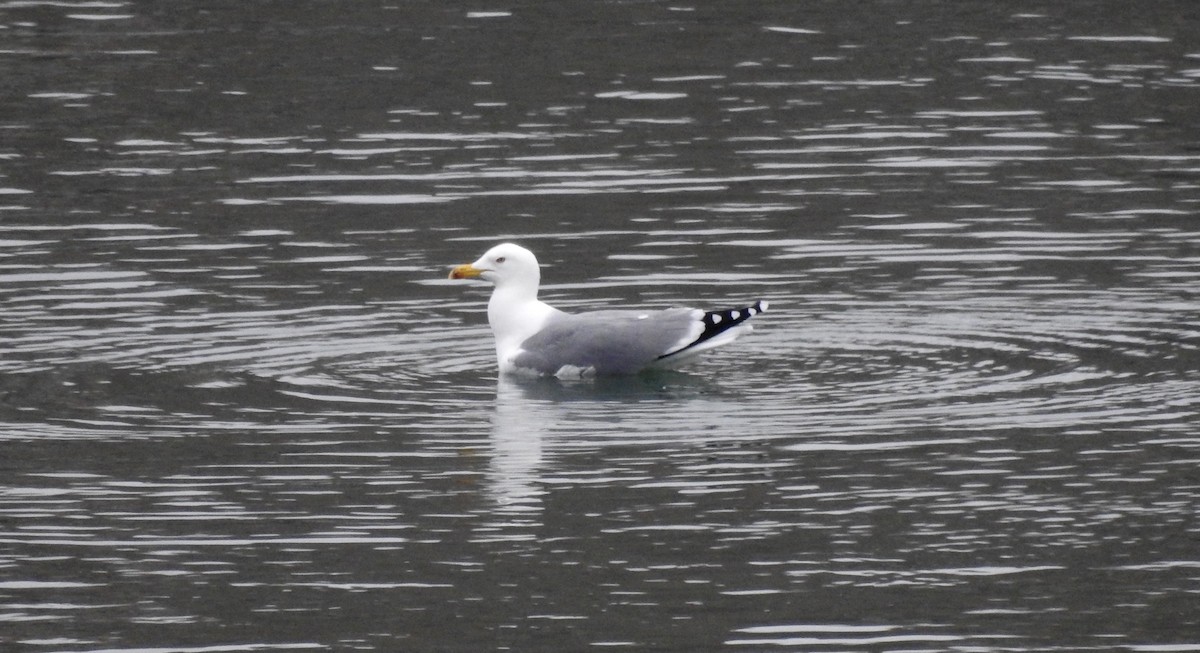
716, 318
733, 315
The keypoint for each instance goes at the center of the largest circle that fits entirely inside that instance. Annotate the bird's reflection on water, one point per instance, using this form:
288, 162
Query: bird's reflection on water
530, 411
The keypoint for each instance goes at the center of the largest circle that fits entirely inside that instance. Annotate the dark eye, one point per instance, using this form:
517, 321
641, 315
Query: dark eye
500, 260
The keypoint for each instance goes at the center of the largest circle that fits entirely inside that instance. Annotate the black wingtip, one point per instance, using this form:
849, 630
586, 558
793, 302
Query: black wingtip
717, 322
733, 316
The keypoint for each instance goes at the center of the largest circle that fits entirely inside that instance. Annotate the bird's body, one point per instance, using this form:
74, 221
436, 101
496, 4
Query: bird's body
534, 337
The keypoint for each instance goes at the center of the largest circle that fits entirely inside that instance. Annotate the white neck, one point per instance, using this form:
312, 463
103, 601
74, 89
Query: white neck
515, 314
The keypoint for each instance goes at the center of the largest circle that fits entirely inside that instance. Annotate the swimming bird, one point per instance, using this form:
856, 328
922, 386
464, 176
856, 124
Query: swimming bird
536, 338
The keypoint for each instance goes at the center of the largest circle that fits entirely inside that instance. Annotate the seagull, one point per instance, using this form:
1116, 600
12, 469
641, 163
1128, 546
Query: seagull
535, 338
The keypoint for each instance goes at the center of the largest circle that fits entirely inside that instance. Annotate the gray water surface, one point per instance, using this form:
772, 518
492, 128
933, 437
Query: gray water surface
241, 409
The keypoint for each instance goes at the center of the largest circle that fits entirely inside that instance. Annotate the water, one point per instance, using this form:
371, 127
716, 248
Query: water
242, 409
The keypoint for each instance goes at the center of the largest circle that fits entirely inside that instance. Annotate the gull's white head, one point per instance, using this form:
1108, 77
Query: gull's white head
514, 311
506, 265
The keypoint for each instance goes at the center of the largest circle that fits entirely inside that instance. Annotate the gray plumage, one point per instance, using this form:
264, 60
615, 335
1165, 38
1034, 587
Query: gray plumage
607, 342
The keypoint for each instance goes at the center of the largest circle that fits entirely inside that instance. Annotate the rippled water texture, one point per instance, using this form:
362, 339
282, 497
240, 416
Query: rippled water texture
241, 409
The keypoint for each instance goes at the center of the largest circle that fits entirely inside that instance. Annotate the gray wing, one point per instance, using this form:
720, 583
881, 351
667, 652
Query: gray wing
609, 342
